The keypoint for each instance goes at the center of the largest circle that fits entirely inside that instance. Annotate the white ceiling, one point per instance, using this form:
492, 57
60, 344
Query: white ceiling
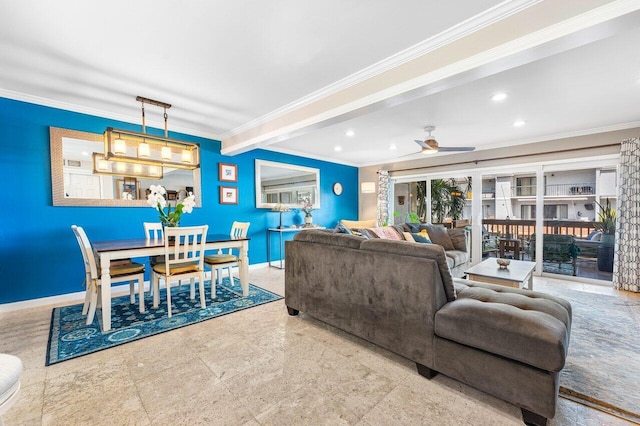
223, 64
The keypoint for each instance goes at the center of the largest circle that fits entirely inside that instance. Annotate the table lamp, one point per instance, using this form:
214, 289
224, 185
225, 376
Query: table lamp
280, 208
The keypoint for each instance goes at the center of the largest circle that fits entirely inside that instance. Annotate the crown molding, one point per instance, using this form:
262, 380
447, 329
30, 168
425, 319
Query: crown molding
458, 31
38, 100
566, 135
310, 156
570, 32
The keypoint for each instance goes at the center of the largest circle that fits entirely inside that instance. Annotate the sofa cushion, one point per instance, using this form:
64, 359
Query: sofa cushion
358, 224
458, 238
429, 251
364, 232
341, 229
412, 227
530, 327
324, 236
458, 257
438, 235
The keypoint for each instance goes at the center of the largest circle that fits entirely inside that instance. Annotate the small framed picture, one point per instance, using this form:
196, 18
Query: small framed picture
127, 189
228, 195
227, 172
172, 195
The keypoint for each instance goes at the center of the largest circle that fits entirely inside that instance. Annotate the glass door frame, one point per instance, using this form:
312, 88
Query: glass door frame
537, 167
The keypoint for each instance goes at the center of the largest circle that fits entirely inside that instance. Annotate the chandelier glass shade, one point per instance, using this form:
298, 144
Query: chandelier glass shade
102, 166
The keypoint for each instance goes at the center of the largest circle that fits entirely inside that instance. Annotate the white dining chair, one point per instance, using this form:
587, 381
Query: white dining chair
183, 258
153, 231
130, 272
221, 260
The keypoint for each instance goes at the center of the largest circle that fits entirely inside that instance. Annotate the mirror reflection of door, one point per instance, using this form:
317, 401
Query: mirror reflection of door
80, 185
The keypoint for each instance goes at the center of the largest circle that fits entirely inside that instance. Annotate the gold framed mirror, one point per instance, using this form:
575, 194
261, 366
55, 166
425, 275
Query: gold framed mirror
75, 182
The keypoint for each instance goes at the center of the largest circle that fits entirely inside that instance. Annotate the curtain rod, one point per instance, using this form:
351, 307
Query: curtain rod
506, 157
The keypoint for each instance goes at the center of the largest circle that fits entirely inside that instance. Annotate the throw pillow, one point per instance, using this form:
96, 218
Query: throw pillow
413, 227
439, 235
386, 233
408, 237
420, 238
458, 239
341, 229
365, 233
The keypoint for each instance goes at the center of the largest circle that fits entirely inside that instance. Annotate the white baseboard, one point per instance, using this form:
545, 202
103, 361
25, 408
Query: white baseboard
62, 299
78, 297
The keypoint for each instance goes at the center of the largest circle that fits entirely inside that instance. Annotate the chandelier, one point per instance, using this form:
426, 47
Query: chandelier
141, 154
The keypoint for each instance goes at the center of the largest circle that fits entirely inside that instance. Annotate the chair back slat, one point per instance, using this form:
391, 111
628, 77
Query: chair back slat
184, 244
239, 230
153, 230
91, 267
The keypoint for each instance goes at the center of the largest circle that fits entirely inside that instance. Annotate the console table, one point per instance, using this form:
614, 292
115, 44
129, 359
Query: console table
281, 232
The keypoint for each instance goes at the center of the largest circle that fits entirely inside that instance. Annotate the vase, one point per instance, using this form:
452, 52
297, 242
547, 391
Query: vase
169, 224
308, 220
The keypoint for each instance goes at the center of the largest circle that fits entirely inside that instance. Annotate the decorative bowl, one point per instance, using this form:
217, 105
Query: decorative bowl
503, 263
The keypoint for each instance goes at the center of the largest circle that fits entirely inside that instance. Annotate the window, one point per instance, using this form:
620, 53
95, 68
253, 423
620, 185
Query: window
525, 186
528, 212
551, 211
556, 211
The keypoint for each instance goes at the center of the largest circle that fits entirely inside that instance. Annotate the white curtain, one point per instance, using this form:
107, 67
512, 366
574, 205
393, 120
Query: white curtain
626, 269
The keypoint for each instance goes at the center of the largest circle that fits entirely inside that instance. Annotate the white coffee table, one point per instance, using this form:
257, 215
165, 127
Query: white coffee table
518, 274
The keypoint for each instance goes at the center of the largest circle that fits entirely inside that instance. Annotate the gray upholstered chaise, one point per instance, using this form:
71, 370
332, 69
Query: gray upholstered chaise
507, 342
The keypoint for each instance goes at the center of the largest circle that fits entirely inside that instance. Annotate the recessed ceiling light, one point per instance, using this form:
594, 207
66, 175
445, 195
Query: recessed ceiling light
393, 147
500, 96
337, 148
519, 123
85, 153
350, 133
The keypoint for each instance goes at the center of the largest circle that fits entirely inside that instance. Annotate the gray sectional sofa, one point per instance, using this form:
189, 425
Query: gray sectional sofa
507, 342
454, 241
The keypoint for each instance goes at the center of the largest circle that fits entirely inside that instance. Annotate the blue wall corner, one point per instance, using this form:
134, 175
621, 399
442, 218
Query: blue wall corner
39, 255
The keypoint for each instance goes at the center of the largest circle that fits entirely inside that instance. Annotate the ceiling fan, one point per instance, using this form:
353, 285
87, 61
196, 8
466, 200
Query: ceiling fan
430, 146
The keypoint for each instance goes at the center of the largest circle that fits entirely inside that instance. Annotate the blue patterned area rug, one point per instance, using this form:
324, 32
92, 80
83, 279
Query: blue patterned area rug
603, 367
70, 337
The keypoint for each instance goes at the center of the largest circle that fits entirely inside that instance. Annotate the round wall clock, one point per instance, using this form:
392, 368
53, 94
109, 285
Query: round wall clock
337, 188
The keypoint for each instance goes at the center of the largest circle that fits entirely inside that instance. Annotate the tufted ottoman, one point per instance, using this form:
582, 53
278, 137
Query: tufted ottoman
508, 342
10, 373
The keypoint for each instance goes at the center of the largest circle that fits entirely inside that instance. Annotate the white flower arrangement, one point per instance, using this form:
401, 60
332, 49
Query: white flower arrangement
156, 199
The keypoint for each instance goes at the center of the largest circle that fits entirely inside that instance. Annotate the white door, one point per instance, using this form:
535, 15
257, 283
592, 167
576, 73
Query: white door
82, 186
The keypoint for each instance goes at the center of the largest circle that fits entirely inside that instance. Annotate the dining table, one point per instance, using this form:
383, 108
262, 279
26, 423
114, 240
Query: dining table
140, 247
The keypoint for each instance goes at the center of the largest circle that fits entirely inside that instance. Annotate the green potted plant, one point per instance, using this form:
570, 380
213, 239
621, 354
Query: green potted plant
607, 225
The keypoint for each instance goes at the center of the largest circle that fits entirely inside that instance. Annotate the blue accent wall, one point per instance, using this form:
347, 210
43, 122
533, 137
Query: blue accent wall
39, 255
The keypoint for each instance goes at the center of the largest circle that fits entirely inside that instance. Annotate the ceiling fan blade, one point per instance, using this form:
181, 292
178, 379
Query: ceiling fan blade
422, 144
456, 148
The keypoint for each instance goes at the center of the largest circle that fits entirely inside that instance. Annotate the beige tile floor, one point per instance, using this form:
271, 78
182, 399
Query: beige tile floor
253, 367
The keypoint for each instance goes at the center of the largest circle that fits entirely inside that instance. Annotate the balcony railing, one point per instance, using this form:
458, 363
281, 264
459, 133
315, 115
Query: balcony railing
556, 190
523, 229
